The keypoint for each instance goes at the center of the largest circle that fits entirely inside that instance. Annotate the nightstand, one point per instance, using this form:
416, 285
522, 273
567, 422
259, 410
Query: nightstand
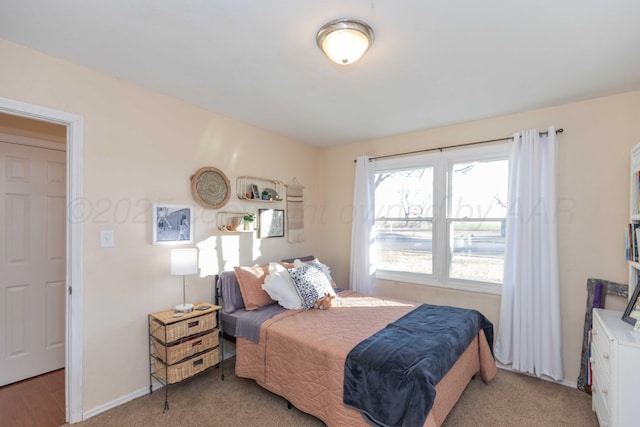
615, 361
181, 347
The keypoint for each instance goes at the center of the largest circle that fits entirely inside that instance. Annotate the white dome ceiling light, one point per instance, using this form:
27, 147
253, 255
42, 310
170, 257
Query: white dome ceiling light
344, 41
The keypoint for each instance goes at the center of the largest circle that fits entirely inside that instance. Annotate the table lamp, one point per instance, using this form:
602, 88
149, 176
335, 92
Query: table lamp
184, 261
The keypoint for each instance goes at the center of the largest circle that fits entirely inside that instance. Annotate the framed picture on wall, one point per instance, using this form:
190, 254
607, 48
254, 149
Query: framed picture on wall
172, 224
270, 223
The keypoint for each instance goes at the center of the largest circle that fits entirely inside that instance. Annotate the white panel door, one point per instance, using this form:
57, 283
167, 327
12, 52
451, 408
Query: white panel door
32, 261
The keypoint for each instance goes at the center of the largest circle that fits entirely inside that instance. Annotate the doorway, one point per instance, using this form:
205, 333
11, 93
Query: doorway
32, 258
74, 126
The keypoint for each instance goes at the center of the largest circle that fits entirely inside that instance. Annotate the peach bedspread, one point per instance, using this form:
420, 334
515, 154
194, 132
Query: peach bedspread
300, 356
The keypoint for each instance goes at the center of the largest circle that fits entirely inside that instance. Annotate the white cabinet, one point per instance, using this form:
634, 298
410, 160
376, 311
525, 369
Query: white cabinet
615, 362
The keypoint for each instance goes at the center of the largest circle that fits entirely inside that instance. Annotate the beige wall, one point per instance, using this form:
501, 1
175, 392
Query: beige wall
593, 208
141, 147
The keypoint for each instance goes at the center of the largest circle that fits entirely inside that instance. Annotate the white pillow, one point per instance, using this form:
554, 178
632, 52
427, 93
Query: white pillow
280, 287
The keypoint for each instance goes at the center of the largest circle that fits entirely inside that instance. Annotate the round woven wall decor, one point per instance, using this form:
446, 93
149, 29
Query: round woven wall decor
210, 187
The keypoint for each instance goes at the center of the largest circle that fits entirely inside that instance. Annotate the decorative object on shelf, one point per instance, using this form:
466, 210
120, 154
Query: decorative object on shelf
248, 221
255, 194
270, 223
265, 195
344, 40
184, 261
210, 187
272, 195
172, 224
632, 313
295, 212
237, 221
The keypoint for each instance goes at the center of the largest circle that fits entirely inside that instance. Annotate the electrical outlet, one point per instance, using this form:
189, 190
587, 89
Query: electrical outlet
107, 239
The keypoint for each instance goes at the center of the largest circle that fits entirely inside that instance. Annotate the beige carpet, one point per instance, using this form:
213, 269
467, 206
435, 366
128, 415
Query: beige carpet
509, 400
516, 400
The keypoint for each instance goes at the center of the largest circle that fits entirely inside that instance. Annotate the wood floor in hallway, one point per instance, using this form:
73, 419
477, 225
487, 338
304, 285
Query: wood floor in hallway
37, 401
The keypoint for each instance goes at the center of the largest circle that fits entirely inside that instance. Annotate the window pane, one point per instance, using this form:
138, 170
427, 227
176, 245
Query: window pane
404, 246
479, 189
477, 250
404, 194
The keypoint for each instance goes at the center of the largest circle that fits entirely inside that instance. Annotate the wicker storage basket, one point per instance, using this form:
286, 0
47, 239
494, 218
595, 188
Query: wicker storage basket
188, 368
180, 350
182, 329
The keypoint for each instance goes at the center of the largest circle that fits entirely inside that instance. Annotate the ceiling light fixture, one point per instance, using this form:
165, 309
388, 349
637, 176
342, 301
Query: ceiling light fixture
344, 41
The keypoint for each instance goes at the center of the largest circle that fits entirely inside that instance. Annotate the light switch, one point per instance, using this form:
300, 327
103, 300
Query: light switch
107, 239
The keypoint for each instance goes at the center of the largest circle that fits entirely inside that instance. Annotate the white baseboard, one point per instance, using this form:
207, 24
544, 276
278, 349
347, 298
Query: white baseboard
120, 401
563, 382
143, 391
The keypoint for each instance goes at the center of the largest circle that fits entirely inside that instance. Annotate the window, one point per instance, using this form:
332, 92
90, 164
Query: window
440, 218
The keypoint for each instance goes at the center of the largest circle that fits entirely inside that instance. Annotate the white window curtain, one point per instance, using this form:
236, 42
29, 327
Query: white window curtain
529, 336
362, 276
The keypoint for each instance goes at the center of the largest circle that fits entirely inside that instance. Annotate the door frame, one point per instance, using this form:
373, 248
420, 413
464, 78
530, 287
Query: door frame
74, 264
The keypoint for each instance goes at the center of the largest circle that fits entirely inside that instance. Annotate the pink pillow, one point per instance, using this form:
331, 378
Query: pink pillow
250, 280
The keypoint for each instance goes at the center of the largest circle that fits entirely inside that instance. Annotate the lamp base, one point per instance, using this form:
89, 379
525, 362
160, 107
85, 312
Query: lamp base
184, 308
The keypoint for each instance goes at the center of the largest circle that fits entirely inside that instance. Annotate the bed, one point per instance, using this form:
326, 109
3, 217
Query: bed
301, 354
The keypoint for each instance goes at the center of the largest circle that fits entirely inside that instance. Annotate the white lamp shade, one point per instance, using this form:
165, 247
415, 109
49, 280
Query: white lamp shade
345, 46
184, 261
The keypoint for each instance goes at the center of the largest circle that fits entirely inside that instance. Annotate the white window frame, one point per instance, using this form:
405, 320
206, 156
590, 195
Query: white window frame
442, 163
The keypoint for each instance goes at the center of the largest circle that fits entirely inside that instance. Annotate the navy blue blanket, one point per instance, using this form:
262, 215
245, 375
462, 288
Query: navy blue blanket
391, 376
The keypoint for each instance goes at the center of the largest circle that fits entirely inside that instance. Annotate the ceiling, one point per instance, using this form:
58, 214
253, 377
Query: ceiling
433, 62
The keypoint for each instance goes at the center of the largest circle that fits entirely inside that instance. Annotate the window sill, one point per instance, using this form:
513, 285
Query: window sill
422, 279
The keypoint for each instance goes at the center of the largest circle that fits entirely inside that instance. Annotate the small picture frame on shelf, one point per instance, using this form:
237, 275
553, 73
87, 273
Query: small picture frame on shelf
632, 313
172, 224
270, 223
255, 193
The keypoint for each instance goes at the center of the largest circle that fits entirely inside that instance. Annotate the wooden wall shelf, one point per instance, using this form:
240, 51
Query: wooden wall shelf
250, 185
225, 221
